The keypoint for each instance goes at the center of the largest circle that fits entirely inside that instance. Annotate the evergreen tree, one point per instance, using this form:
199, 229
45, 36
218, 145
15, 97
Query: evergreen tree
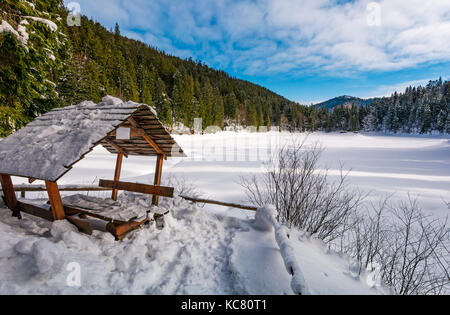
31, 61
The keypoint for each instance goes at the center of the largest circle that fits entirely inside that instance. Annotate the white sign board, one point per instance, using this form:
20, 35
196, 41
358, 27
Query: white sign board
123, 133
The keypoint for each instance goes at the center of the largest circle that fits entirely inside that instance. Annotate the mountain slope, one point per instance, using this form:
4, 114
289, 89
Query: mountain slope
345, 100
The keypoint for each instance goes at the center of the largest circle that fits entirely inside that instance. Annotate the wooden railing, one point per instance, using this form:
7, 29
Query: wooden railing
23, 189
220, 203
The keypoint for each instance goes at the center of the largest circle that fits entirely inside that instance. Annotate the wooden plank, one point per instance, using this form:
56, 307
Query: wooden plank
133, 122
35, 211
148, 138
131, 144
161, 136
10, 195
138, 151
154, 145
142, 141
35, 188
70, 211
55, 200
82, 225
116, 147
121, 230
150, 127
146, 117
131, 150
144, 147
117, 174
157, 181
220, 203
131, 147
138, 188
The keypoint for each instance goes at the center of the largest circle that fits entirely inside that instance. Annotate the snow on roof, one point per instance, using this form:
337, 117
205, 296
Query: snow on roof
48, 147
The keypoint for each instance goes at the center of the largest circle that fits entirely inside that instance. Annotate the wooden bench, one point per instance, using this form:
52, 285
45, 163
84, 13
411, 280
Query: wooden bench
121, 229
77, 215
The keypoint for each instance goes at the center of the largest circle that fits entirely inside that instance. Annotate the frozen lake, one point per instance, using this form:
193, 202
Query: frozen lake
379, 164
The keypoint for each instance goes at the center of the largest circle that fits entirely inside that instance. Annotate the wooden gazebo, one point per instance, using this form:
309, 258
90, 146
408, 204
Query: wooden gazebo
47, 148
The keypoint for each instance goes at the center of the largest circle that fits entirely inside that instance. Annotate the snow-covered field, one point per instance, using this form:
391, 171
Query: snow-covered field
214, 250
381, 165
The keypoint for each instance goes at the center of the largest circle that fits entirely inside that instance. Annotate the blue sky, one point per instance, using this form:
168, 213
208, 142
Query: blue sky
305, 50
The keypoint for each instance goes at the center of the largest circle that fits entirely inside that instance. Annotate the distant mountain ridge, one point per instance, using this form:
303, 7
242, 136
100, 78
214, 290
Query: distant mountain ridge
345, 100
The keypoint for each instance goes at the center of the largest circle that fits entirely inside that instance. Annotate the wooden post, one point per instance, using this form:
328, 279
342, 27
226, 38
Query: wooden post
117, 173
10, 195
55, 201
158, 172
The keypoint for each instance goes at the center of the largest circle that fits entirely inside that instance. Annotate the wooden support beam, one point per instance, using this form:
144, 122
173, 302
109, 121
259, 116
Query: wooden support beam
157, 182
82, 225
122, 230
138, 188
35, 211
117, 174
133, 122
116, 147
55, 200
148, 139
155, 146
27, 188
10, 195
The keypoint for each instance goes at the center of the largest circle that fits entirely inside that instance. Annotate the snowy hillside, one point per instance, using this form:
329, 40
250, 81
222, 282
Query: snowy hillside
196, 253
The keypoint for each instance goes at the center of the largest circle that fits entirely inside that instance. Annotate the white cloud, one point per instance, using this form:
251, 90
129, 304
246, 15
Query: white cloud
288, 36
388, 90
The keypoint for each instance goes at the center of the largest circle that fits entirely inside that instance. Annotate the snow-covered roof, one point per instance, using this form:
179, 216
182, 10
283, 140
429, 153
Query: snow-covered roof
48, 147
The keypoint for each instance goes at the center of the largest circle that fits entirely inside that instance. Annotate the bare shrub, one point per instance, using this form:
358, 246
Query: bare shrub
366, 235
304, 196
182, 185
409, 248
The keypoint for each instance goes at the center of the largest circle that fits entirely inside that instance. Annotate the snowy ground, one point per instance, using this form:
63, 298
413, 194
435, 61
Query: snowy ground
196, 253
208, 251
